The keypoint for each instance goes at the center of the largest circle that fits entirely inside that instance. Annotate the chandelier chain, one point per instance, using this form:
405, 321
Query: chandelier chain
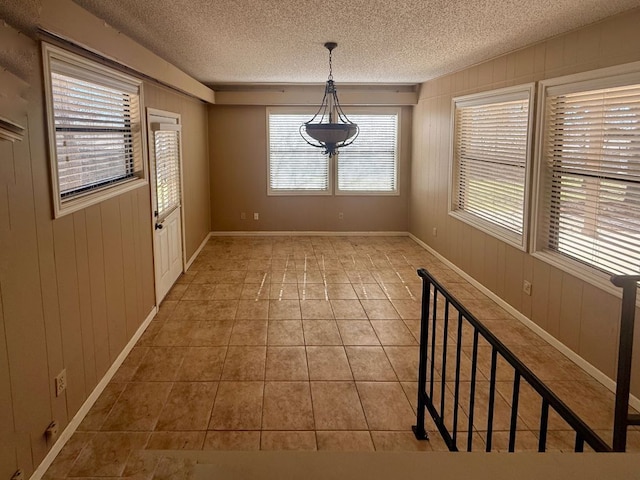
330, 65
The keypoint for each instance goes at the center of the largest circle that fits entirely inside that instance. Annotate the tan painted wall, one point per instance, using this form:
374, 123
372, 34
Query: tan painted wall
74, 290
578, 314
238, 147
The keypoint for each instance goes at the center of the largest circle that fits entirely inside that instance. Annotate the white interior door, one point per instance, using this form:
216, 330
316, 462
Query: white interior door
166, 168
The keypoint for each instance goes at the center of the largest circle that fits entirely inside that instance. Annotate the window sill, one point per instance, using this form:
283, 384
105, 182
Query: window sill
502, 234
74, 204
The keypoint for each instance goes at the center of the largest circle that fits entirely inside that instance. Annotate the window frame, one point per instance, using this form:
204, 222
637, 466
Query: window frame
94, 72
516, 92
333, 162
592, 80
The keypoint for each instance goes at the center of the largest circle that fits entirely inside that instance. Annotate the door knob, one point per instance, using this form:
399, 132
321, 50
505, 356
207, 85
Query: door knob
159, 226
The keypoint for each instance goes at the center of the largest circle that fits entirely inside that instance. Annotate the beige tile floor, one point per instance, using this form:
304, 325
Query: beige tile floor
305, 343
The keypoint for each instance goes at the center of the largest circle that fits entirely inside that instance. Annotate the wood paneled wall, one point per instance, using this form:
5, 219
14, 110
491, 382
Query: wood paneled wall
579, 315
73, 291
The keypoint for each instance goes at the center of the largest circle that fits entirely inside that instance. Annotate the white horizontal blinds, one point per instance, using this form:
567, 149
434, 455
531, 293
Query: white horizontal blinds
167, 157
592, 202
370, 163
97, 130
490, 149
293, 164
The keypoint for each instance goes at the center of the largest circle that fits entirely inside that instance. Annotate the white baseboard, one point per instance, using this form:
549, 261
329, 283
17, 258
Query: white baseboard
197, 252
91, 399
573, 356
308, 234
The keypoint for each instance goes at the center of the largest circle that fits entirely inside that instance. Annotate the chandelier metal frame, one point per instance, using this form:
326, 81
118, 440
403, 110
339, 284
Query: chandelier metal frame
339, 131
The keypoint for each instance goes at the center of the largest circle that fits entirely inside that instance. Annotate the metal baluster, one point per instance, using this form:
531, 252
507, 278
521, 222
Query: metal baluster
472, 389
544, 423
418, 429
443, 374
492, 397
456, 393
514, 411
433, 340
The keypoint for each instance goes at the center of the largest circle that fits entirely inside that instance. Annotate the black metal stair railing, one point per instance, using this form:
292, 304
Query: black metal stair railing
622, 419
435, 351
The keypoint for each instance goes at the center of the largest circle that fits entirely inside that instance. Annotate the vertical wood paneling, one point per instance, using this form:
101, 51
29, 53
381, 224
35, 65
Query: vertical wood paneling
114, 276
502, 259
137, 252
22, 303
128, 263
514, 270
554, 318
477, 252
24, 455
570, 311
69, 304
464, 245
84, 301
527, 274
7, 433
540, 294
46, 260
145, 258
599, 328
97, 285
490, 267
7, 169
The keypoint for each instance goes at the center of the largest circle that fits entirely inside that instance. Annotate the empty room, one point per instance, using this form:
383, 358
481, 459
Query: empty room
244, 239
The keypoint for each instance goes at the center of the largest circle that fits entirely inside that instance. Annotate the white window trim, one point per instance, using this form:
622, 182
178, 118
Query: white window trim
289, 193
591, 80
500, 95
374, 193
103, 74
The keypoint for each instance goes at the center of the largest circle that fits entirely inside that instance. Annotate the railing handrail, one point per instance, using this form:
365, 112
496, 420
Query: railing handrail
579, 426
622, 420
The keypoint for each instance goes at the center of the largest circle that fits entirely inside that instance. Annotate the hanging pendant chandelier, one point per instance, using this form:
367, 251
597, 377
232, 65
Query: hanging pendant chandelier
329, 129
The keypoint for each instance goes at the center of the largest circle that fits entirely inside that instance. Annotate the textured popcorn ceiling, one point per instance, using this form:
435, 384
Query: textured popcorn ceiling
379, 41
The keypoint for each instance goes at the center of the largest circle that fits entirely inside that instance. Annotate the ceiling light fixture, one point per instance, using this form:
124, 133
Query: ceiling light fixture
338, 131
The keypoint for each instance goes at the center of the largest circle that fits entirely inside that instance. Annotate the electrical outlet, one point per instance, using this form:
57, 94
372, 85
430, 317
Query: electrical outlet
61, 382
52, 431
340, 216
243, 216
256, 216
526, 287
435, 231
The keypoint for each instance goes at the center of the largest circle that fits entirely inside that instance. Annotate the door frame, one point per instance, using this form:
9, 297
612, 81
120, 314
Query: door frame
153, 189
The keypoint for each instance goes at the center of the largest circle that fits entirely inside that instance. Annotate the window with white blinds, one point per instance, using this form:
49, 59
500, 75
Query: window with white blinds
294, 166
95, 129
167, 167
370, 164
491, 152
367, 166
589, 193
